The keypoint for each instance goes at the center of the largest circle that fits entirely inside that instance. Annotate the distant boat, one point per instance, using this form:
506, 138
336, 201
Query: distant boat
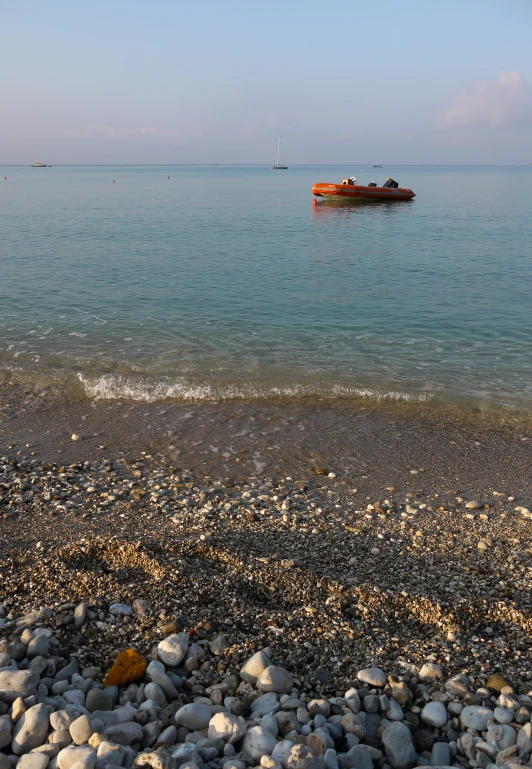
377, 166
37, 163
279, 167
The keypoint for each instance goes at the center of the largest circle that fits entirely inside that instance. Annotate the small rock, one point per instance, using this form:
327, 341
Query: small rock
372, 676
99, 699
228, 727
124, 734
172, 650
254, 666
431, 670
476, 717
120, 610
497, 682
31, 730
33, 761
258, 742
434, 714
474, 505
128, 666
67, 757
397, 742
81, 730
194, 716
275, 679
157, 759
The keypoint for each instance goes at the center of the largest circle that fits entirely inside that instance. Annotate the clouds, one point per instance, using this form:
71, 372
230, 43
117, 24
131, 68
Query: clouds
495, 103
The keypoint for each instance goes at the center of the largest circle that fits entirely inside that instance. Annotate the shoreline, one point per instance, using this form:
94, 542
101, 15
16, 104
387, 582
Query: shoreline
362, 529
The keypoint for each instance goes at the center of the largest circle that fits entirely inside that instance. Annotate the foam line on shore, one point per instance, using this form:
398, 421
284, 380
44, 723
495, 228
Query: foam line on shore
113, 387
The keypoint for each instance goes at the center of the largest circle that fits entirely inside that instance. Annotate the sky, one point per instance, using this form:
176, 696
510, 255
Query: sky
217, 81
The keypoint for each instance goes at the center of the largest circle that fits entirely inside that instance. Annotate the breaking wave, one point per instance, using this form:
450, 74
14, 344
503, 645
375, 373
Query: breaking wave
114, 387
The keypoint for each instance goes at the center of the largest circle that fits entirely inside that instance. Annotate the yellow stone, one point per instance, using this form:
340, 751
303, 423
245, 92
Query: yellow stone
128, 666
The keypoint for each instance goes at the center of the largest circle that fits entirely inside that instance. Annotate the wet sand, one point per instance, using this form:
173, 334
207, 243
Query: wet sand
340, 526
369, 445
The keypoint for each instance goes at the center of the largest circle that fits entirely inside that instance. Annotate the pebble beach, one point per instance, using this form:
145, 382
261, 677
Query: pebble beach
161, 608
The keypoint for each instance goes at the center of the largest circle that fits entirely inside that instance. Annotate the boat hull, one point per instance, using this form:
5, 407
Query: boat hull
358, 192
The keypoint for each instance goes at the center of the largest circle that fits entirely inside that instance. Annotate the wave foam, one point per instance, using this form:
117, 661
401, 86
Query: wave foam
112, 387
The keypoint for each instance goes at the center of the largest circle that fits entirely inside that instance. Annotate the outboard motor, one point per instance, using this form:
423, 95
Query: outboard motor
372, 184
390, 183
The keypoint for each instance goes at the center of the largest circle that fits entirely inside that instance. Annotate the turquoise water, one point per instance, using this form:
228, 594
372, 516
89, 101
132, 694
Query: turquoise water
226, 281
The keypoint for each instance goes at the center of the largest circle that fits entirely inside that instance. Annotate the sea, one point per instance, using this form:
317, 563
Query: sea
217, 282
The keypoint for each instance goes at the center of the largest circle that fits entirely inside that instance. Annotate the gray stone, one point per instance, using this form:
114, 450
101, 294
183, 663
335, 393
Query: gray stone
75, 697
154, 692
441, 754
503, 715
434, 714
267, 703
509, 737
258, 742
476, 717
218, 645
475, 504
20, 681
397, 742
67, 757
361, 757
81, 730
172, 649
99, 699
124, 734
227, 727
80, 615
120, 610
282, 750
372, 676
150, 733
61, 737
524, 740
38, 647
33, 761
66, 673
168, 736
157, 673
352, 700
185, 752
31, 730
275, 679
431, 670
319, 707
331, 760
394, 712
5, 731
254, 666
62, 719
194, 716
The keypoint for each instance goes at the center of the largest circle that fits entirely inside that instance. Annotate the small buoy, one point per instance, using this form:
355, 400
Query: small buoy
113, 181
168, 177
5, 178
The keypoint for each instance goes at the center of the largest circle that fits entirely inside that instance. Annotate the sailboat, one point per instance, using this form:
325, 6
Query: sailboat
37, 163
279, 167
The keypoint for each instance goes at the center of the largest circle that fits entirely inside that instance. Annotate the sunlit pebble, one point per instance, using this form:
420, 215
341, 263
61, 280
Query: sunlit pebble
76, 437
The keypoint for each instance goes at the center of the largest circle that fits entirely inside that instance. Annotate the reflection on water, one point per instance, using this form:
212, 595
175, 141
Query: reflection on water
220, 280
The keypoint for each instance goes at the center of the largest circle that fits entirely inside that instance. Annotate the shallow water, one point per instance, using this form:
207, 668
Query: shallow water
226, 281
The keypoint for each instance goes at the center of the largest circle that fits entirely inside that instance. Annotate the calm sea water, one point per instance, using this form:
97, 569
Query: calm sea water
226, 281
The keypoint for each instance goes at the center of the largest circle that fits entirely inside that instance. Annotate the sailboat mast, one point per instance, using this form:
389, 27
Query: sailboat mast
278, 149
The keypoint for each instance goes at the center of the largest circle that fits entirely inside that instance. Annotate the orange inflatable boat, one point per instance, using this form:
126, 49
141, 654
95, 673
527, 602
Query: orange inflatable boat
349, 189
